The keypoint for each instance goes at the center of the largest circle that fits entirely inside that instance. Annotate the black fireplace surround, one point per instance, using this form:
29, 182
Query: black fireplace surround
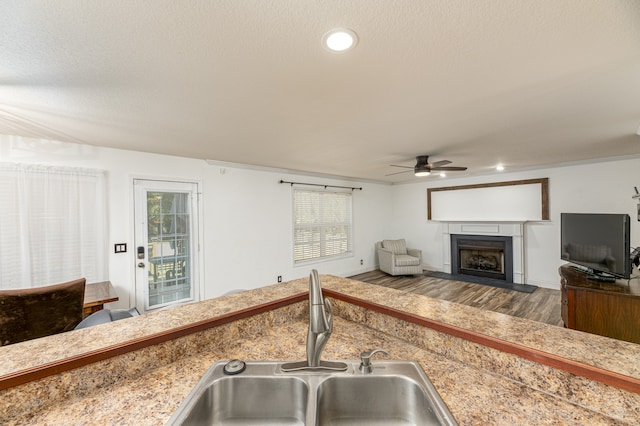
492, 256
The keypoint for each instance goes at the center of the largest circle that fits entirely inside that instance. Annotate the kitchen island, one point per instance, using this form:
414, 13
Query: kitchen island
489, 368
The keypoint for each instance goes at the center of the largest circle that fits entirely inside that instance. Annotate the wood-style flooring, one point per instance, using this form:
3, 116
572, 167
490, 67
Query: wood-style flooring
542, 305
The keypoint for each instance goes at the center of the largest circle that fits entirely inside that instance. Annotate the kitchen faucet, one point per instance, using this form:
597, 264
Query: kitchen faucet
320, 322
320, 328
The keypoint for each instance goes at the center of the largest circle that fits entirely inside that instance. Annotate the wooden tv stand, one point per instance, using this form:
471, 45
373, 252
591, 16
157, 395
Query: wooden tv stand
610, 309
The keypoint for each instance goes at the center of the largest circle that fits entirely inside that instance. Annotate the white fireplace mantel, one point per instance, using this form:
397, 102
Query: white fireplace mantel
515, 230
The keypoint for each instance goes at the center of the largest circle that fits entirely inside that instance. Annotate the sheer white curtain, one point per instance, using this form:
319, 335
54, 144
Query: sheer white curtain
52, 225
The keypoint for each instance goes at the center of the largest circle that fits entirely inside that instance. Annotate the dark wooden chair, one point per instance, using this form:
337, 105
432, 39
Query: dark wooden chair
37, 312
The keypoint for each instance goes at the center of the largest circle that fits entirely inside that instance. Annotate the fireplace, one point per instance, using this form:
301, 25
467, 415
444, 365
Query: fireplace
483, 256
514, 231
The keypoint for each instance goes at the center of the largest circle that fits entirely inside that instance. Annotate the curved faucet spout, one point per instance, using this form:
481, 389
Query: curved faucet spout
320, 327
315, 290
320, 321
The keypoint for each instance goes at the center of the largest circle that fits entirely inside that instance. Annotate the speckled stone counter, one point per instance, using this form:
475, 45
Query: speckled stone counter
480, 384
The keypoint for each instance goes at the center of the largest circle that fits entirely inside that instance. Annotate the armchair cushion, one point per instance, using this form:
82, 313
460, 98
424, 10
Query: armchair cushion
406, 260
395, 246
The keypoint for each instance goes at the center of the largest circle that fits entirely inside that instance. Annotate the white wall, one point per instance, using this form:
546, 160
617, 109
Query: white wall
252, 210
246, 214
604, 187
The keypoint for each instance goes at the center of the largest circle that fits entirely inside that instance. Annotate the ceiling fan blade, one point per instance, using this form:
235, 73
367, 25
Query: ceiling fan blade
397, 173
404, 167
452, 169
440, 163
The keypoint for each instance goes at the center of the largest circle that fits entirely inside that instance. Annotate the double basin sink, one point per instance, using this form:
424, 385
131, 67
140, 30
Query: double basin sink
261, 393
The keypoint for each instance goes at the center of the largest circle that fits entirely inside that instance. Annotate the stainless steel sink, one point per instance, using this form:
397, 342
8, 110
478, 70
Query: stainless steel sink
377, 400
395, 393
251, 400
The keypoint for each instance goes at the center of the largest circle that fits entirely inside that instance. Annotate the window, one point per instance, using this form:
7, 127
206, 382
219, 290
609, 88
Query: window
52, 225
322, 225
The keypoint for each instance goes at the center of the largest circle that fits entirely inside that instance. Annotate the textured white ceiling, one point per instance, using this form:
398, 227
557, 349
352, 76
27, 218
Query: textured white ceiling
478, 82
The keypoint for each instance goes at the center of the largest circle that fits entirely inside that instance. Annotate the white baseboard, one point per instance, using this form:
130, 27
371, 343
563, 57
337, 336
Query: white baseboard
360, 271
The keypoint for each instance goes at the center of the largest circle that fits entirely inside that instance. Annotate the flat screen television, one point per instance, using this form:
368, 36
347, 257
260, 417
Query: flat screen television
599, 242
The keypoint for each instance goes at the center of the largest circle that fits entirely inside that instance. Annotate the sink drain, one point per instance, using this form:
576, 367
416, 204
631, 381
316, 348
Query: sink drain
235, 366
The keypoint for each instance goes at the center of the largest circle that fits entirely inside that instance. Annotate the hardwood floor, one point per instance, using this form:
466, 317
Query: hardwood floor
542, 305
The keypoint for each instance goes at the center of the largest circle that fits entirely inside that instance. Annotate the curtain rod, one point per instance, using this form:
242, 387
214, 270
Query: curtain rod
317, 184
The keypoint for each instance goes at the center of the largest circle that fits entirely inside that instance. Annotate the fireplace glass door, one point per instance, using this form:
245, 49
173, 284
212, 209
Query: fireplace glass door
483, 256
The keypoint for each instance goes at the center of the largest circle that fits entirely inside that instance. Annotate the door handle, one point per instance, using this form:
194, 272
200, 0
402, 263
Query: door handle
141, 265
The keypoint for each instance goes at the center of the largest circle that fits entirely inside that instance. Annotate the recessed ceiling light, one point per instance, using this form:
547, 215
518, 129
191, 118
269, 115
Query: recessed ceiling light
443, 174
340, 40
500, 167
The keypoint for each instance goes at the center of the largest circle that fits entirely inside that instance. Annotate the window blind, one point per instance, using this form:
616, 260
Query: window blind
322, 224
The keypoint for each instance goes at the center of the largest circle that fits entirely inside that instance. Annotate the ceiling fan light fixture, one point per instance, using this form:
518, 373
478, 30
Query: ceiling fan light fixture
421, 170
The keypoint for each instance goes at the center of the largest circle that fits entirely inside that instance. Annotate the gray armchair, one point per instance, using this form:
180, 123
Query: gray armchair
396, 259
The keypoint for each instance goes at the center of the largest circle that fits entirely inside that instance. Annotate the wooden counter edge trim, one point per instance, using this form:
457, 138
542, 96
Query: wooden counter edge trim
607, 377
57, 367
604, 376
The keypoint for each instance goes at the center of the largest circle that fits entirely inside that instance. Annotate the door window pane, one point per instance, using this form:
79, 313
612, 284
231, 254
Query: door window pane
169, 247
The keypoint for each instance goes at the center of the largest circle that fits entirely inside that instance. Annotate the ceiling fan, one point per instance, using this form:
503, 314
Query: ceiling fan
424, 168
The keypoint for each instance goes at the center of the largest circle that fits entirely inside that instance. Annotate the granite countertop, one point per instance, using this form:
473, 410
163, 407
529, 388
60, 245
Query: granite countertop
146, 388
473, 396
609, 354
37, 352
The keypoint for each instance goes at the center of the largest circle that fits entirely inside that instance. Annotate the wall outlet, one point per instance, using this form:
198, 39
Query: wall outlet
361, 261
279, 278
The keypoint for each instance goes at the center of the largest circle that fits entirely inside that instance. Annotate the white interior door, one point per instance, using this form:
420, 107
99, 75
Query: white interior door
166, 246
